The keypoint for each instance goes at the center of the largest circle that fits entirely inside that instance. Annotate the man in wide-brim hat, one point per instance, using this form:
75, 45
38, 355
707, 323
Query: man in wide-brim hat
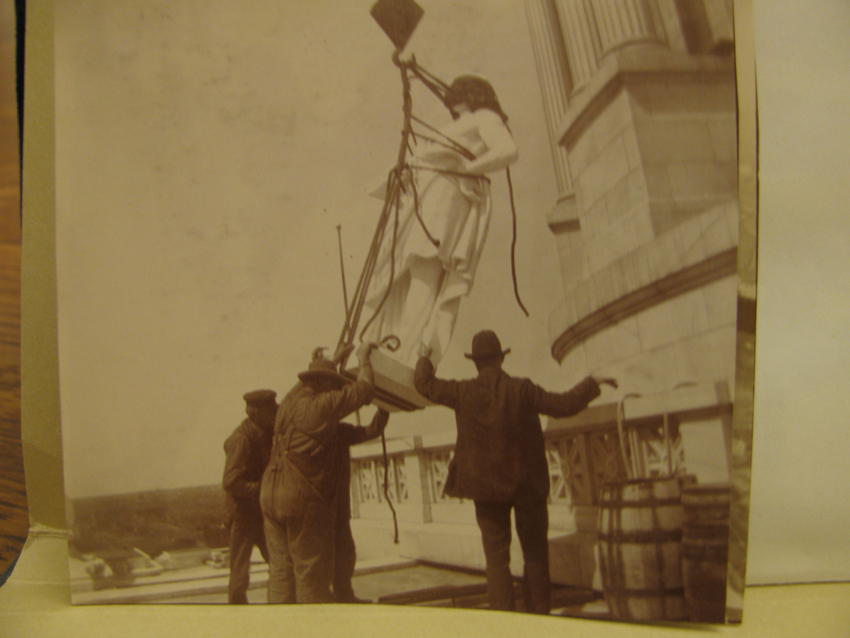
300, 488
500, 460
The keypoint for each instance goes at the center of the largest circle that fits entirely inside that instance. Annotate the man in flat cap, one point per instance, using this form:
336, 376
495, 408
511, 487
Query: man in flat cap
301, 486
247, 453
500, 461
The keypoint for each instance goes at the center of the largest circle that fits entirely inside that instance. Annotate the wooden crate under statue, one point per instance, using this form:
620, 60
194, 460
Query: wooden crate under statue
393, 384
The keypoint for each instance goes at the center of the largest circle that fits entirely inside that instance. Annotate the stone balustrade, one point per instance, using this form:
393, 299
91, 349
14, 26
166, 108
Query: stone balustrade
583, 453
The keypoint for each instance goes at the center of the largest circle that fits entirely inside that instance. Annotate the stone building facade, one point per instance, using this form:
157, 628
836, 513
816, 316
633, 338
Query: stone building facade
640, 106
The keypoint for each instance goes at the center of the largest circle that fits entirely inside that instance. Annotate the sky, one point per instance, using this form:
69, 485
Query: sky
206, 152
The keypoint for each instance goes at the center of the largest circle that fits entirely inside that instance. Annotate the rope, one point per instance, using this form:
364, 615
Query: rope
386, 295
513, 242
431, 81
451, 142
446, 171
387, 487
622, 438
435, 242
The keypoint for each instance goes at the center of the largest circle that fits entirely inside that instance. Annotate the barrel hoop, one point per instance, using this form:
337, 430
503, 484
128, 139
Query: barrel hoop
626, 592
704, 499
710, 555
655, 536
646, 502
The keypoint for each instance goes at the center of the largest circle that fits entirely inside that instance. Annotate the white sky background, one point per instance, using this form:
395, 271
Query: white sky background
206, 151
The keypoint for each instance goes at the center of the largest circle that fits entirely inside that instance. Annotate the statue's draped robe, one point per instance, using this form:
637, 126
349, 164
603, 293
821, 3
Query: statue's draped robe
455, 209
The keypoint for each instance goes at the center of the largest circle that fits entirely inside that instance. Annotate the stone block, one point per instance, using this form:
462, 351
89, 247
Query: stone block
662, 256
733, 220
563, 316
658, 182
625, 196
603, 289
594, 220
652, 371
582, 153
678, 96
675, 140
572, 267
642, 97
721, 301
710, 355
632, 233
663, 213
627, 265
672, 320
599, 253
619, 281
637, 230
730, 170
574, 367
615, 343
689, 180
613, 120
723, 131
715, 235
636, 269
690, 243
604, 172
634, 157
583, 300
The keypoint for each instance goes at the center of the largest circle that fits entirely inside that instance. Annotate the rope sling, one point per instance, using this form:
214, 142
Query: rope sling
401, 176
404, 173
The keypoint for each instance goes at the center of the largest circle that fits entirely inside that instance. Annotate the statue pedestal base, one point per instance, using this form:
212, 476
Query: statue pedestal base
394, 391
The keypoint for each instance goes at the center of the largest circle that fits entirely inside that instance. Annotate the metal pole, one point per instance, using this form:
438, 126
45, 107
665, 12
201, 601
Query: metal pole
342, 269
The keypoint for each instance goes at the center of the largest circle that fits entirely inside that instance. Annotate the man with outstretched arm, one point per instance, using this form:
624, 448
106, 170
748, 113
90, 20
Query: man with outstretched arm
500, 461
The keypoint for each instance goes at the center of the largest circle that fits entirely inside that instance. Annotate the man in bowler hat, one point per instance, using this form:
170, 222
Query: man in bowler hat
500, 461
247, 453
301, 486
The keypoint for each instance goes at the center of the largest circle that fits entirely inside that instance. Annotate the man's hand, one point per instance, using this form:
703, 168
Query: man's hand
364, 352
605, 381
424, 351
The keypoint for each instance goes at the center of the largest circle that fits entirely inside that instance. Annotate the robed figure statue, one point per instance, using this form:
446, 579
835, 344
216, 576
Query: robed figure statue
429, 264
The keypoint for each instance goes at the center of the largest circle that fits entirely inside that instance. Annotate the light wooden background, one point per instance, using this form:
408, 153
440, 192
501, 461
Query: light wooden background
13, 502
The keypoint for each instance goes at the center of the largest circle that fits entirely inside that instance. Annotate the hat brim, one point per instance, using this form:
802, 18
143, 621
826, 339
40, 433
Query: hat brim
322, 375
488, 355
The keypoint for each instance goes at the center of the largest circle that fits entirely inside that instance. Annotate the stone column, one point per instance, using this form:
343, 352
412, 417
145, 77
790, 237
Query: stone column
581, 38
553, 73
622, 22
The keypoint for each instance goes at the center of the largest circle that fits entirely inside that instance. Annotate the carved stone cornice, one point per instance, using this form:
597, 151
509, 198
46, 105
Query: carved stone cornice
651, 274
633, 64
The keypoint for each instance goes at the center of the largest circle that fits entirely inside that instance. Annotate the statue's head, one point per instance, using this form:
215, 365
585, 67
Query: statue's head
475, 92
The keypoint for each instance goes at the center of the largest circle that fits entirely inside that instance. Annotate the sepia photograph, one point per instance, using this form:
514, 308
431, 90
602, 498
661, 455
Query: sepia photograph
405, 302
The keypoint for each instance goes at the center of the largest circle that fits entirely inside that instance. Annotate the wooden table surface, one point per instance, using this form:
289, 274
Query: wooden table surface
13, 501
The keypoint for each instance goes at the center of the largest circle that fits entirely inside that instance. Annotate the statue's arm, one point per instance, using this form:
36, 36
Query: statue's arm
501, 149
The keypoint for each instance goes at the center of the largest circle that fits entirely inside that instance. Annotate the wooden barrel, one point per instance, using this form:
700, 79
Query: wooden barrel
705, 551
639, 549
706, 504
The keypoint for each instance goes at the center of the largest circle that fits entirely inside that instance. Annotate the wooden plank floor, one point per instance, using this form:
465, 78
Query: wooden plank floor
13, 502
